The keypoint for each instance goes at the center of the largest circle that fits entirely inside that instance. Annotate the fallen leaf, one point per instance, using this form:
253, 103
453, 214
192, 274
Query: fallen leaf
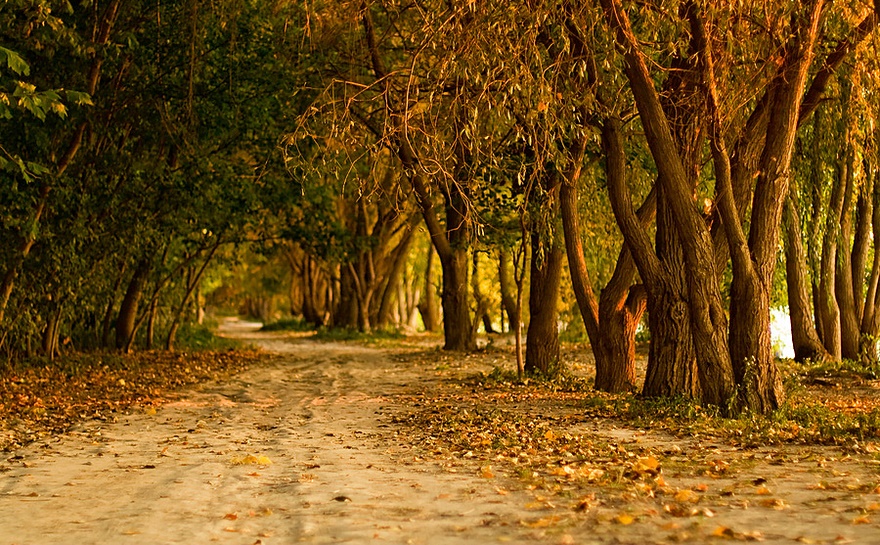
723, 531
486, 472
763, 491
230, 516
250, 459
687, 496
773, 503
864, 519
541, 522
624, 519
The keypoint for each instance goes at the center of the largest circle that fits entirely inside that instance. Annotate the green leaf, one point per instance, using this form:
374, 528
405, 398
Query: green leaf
14, 61
77, 97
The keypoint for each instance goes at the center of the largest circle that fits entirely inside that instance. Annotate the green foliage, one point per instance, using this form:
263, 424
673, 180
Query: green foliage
289, 324
202, 337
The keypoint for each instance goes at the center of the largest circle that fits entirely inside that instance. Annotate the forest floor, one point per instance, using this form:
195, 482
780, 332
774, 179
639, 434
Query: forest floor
335, 442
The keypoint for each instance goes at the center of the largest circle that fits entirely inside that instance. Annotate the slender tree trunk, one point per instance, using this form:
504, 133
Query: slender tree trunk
107, 322
482, 314
193, 279
393, 279
125, 321
506, 287
428, 305
805, 339
829, 310
843, 278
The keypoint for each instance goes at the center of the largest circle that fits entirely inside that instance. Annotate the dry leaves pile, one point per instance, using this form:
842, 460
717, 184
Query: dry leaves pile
588, 458
35, 401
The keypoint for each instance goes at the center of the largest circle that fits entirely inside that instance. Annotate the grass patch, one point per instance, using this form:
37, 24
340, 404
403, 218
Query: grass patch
202, 337
289, 324
348, 334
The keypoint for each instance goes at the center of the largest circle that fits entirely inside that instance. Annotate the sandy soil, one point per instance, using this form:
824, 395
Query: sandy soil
304, 449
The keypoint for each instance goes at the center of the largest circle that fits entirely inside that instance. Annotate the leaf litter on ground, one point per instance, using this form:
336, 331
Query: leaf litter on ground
38, 400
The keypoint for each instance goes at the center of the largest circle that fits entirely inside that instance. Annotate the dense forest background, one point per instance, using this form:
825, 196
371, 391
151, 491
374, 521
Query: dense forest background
601, 170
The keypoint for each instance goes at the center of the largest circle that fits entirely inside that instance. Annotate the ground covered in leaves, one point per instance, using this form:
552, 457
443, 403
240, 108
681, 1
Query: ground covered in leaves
809, 473
397, 441
41, 398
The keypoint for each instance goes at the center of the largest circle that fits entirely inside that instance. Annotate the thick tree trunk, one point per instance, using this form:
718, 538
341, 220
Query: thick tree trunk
457, 326
542, 337
760, 386
672, 357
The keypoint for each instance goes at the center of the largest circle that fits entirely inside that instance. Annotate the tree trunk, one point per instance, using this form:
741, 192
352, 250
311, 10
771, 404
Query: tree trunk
506, 287
672, 357
107, 321
393, 279
125, 321
482, 314
829, 311
805, 339
611, 323
843, 278
542, 337
428, 306
457, 326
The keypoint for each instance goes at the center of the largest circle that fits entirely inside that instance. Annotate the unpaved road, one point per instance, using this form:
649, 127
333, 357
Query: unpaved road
302, 449
332, 469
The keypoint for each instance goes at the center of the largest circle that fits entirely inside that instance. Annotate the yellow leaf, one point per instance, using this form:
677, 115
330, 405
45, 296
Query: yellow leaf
550, 436
864, 519
624, 519
763, 491
542, 522
250, 459
723, 531
773, 503
648, 463
486, 472
687, 496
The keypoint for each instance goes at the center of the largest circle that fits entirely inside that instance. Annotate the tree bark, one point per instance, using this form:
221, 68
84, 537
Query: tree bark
542, 337
125, 321
805, 339
506, 287
708, 320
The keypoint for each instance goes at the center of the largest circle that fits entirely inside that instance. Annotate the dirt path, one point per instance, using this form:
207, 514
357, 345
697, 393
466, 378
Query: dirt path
293, 451
304, 449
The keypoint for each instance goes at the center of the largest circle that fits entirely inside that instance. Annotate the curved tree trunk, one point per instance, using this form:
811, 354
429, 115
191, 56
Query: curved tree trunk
125, 321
